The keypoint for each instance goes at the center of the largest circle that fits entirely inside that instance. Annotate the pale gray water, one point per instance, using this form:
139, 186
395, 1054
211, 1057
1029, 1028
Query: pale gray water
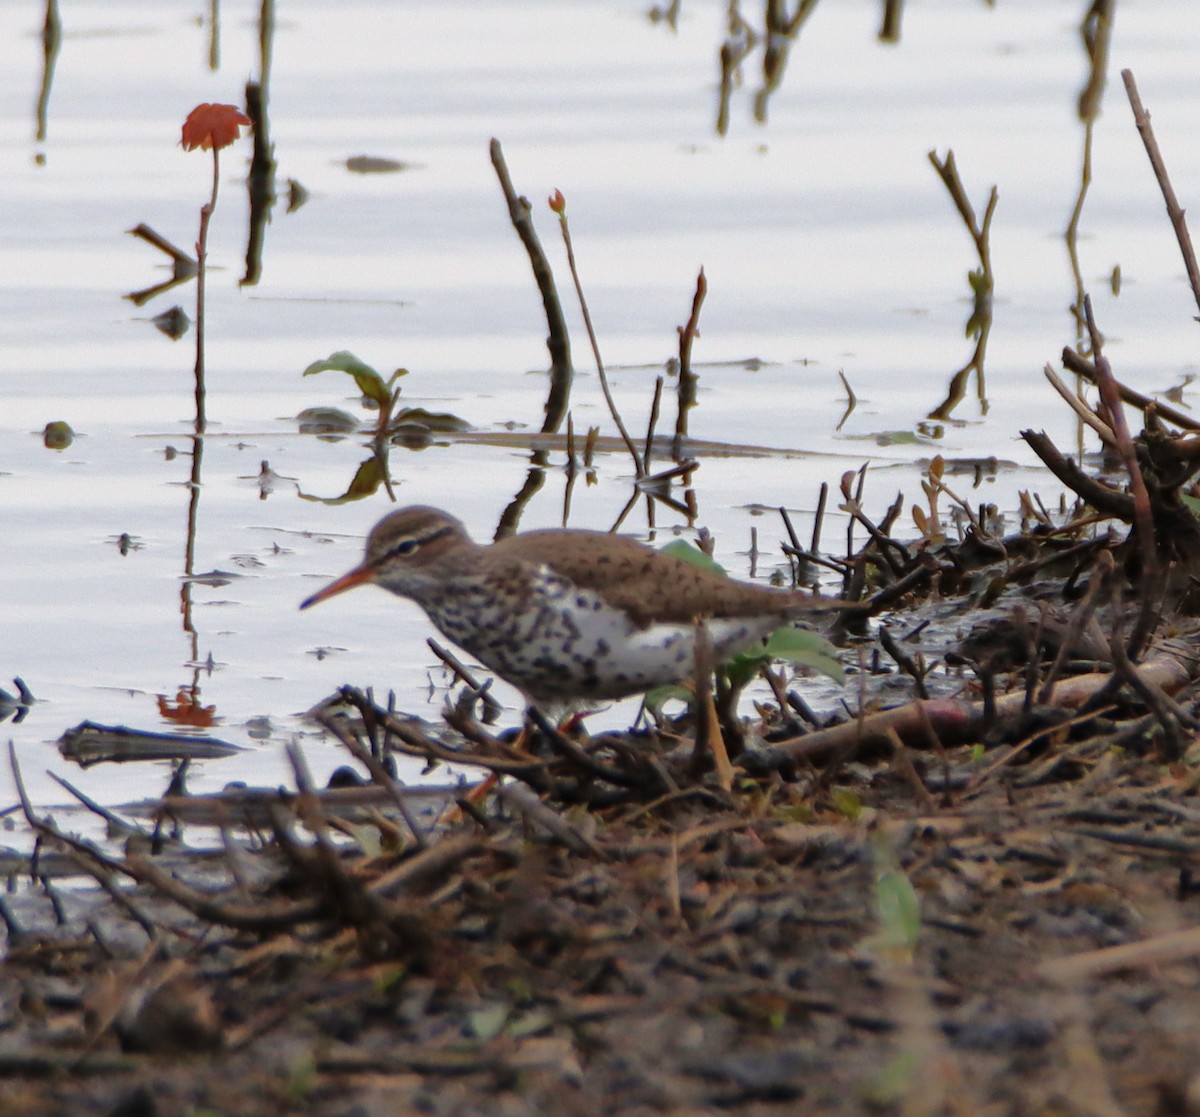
828, 241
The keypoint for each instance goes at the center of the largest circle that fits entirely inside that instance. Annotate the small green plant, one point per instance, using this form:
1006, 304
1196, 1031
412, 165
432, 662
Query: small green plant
799, 646
897, 905
385, 396
383, 393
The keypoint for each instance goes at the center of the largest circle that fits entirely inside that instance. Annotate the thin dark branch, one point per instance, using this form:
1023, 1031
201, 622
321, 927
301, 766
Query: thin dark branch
558, 341
1178, 221
687, 378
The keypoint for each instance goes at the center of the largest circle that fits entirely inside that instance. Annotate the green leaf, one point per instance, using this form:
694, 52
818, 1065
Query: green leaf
326, 421
438, 421
367, 838
367, 479
488, 1022
389, 977
897, 438
981, 311
897, 904
800, 646
847, 802
805, 648
529, 1023
301, 1077
369, 382
899, 909
741, 669
682, 549
979, 282
892, 1083
654, 700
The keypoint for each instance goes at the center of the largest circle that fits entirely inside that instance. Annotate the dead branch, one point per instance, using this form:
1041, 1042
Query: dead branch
1174, 210
954, 721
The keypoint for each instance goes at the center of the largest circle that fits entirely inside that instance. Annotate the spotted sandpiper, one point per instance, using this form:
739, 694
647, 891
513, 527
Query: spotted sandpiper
567, 616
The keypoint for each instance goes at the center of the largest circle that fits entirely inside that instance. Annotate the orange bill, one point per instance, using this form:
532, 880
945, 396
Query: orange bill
359, 576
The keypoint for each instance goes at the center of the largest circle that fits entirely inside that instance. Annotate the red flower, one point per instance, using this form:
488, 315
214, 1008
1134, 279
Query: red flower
558, 203
212, 126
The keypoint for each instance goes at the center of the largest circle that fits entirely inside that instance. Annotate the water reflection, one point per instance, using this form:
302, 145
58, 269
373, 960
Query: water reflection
771, 37
172, 323
51, 43
982, 284
15, 706
776, 37
367, 479
782, 215
769, 34
183, 266
1095, 33
188, 702
410, 427
260, 184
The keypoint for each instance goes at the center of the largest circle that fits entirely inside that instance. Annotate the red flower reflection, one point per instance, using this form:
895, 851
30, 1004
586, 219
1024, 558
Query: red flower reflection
212, 127
186, 709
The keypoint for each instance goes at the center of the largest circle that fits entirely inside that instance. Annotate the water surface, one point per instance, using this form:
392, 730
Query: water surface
828, 242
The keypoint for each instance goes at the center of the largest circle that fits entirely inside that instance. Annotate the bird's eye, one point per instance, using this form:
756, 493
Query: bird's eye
407, 547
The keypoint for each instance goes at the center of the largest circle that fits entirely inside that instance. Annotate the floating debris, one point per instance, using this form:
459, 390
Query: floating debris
89, 743
57, 436
377, 165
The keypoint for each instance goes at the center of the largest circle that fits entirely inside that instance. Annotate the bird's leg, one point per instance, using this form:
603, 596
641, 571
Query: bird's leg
536, 721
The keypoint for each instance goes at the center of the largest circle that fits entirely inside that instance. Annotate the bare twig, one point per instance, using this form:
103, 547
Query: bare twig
852, 492
1101, 571
687, 378
1159, 950
1096, 493
651, 423
906, 662
947, 170
558, 341
851, 400
559, 205
1080, 407
1073, 362
955, 721
520, 799
379, 774
579, 757
1178, 221
482, 691
1142, 511
904, 762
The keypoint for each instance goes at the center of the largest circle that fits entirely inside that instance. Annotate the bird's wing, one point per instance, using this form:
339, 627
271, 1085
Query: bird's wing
650, 585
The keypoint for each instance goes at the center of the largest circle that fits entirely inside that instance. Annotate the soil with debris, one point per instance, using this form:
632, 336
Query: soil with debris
1024, 947
975, 896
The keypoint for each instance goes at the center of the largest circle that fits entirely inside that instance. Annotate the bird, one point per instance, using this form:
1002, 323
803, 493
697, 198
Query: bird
564, 615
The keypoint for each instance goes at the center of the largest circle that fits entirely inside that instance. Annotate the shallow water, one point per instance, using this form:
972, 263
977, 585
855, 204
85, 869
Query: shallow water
827, 240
